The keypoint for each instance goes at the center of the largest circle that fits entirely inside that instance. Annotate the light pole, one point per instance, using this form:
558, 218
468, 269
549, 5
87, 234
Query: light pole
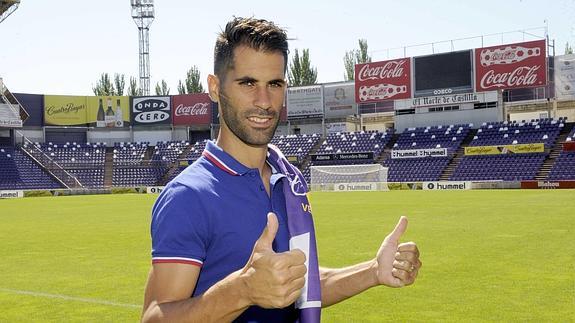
143, 15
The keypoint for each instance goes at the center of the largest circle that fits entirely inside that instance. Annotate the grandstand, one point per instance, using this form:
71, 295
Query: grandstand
150, 164
451, 126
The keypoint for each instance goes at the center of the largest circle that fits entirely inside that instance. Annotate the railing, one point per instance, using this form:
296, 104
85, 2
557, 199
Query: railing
6, 97
64, 177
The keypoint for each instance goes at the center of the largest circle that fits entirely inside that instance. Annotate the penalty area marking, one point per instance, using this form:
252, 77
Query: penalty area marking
67, 298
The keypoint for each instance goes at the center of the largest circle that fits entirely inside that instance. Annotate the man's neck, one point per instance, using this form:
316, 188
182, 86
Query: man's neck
249, 156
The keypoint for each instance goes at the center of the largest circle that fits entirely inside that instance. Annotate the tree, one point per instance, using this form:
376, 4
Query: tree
192, 84
162, 88
356, 56
104, 86
300, 70
568, 49
119, 84
133, 89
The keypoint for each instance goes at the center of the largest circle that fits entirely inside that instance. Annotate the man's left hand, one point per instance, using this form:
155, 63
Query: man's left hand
397, 264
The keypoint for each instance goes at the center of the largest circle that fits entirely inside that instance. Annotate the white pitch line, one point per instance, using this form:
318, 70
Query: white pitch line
67, 298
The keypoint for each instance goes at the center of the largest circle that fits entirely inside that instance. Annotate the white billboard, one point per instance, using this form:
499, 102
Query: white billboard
339, 99
446, 185
446, 98
359, 186
418, 153
305, 102
11, 194
565, 77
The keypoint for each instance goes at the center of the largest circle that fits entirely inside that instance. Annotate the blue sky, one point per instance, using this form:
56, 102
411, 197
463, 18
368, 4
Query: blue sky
63, 47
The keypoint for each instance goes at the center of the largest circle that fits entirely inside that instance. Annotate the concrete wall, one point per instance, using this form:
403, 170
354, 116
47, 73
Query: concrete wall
477, 117
109, 136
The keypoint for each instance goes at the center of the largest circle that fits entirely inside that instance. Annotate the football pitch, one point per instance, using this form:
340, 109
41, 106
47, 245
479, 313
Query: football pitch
492, 255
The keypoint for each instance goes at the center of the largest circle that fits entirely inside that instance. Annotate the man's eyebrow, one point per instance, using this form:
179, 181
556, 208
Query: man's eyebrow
246, 79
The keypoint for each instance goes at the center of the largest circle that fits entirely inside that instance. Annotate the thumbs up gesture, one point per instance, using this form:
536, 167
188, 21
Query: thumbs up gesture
397, 264
273, 280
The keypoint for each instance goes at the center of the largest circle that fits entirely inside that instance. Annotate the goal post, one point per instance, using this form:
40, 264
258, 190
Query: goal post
361, 177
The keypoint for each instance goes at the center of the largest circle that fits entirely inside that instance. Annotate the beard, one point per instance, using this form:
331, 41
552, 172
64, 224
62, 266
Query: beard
237, 122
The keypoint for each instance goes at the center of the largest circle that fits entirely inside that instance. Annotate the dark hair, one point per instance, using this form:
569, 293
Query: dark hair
258, 34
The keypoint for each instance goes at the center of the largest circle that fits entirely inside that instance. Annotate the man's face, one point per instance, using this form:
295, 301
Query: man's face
251, 96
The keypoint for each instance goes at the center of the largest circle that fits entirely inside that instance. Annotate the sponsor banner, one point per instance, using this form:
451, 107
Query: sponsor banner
34, 105
404, 186
191, 109
505, 149
418, 153
444, 100
305, 102
342, 156
292, 159
154, 189
511, 66
547, 184
151, 110
441, 100
108, 111
11, 194
339, 100
359, 186
447, 185
569, 146
385, 80
565, 77
64, 110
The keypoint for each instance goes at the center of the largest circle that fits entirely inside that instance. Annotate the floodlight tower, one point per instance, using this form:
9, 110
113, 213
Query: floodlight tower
143, 15
7, 7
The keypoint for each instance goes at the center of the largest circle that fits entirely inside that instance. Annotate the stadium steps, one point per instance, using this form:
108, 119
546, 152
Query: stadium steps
109, 167
386, 152
148, 155
555, 151
454, 162
174, 167
307, 159
42, 160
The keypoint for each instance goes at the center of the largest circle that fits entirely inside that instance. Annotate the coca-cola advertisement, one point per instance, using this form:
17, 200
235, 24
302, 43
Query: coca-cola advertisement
511, 66
380, 81
191, 109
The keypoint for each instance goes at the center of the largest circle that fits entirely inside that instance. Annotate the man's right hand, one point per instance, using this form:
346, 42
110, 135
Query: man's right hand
273, 280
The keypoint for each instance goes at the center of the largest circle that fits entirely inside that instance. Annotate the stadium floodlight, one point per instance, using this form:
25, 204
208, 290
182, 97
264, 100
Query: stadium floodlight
143, 15
7, 7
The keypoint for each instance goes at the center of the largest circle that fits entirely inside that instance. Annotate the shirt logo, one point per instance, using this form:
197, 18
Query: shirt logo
297, 186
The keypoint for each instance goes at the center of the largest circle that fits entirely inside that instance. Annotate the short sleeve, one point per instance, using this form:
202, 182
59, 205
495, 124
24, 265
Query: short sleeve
179, 227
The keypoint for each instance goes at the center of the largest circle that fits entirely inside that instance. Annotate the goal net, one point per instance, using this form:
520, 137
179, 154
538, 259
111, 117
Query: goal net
363, 177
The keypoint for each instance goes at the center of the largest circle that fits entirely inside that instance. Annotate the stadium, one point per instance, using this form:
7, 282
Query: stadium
475, 146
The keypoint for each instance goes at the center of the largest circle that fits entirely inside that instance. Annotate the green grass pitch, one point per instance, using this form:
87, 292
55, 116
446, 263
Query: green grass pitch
500, 255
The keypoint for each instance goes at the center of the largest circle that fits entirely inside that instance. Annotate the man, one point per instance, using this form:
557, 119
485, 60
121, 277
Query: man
221, 232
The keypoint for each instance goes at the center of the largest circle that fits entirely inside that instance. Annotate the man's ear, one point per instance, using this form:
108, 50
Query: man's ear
214, 88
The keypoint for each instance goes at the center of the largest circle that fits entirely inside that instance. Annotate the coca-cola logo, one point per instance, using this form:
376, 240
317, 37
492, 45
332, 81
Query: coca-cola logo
194, 110
502, 56
522, 76
380, 92
391, 69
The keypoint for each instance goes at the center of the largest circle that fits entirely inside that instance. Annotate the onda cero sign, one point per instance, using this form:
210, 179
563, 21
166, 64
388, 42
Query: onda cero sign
151, 110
